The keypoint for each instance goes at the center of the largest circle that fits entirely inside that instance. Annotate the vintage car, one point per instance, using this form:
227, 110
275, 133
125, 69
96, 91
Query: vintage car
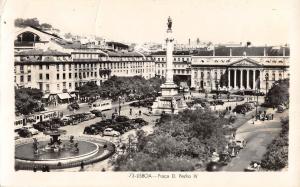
253, 166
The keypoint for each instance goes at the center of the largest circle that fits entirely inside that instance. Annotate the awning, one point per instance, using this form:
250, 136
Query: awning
46, 96
64, 96
73, 95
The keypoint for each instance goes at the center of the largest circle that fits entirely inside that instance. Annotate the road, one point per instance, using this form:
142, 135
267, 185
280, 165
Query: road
258, 136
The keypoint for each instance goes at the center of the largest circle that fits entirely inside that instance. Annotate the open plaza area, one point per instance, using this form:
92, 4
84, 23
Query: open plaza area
89, 103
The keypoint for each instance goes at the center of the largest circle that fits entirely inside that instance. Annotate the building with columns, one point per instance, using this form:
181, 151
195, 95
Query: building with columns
239, 68
229, 68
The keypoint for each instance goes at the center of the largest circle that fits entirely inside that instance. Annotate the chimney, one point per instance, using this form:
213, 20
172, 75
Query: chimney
230, 52
283, 53
189, 41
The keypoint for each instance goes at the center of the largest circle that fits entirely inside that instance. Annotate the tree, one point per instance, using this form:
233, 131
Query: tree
90, 89
276, 156
278, 93
224, 79
32, 22
179, 143
27, 100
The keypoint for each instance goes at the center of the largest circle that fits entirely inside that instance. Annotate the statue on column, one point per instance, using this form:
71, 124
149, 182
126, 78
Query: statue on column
169, 23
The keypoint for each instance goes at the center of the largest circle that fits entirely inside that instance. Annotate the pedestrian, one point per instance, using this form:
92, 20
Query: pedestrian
253, 119
34, 168
47, 168
82, 165
140, 112
272, 116
130, 111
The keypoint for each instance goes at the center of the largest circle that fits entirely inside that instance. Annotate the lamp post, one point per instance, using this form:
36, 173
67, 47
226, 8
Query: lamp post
267, 79
120, 105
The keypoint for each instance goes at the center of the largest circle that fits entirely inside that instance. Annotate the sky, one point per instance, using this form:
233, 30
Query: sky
259, 21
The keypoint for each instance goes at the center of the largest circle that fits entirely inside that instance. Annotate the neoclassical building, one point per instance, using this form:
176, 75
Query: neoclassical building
242, 68
231, 68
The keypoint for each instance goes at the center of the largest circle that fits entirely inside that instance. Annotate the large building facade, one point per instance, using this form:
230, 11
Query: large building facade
231, 68
53, 65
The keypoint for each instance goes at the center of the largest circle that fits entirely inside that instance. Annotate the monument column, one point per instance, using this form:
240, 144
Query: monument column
170, 46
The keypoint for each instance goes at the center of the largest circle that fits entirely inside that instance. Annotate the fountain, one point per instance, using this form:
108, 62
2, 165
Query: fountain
60, 153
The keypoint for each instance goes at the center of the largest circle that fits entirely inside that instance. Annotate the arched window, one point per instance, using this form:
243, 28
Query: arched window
280, 76
28, 37
273, 76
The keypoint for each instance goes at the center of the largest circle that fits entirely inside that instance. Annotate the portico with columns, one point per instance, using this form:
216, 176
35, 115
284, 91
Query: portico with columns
243, 75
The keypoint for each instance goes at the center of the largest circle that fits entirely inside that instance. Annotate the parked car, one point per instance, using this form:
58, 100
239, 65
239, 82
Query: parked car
280, 108
253, 166
213, 166
90, 130
73, 106
139, 121
241, 143
24, 133
89, 116
97, 113
110, 132
225, 158
121, 119
32, 130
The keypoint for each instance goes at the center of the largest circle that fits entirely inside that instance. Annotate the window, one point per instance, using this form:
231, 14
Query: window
47, 76
64, 85
21, 68
47, 87
75, 66
96, 73
92, 74
40, 67
58, 87
29, 78
57, 76
70, 85
75, 75
70, 67
273, 76
64, 67
70, 75
57, 67
21, 78
41, 76
47, 66
64, 76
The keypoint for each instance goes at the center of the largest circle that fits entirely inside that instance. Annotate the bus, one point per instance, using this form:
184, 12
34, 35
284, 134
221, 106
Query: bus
46, 115
102, 105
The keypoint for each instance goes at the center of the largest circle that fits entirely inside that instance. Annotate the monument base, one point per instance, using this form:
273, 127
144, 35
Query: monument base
169, 105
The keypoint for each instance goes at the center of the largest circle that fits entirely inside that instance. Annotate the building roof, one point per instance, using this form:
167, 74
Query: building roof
174, 53
45, 32
40, 52
249, 51
118, 44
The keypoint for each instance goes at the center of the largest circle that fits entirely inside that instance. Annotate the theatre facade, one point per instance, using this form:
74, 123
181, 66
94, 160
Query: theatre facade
239, 68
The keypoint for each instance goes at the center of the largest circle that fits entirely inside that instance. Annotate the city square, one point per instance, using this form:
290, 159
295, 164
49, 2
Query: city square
83, 103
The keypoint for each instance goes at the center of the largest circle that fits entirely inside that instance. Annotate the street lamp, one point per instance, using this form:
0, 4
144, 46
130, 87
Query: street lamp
267, 79
120, 105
